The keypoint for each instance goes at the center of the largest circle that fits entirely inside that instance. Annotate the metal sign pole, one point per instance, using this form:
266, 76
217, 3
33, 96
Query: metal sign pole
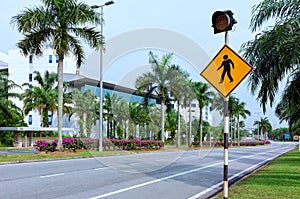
226, 132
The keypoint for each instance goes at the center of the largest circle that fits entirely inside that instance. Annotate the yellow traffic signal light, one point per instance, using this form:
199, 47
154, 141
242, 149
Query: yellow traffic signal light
223, 21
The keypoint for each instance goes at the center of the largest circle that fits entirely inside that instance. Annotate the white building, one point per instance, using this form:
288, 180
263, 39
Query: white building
21, 68
195, 112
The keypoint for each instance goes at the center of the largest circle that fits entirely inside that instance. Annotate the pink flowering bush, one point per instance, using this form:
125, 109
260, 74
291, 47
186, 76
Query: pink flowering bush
92, 144
221, 144
43, 145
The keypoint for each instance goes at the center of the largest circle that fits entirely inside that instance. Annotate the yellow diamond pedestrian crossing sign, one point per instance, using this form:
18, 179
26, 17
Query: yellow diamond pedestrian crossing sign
226, 71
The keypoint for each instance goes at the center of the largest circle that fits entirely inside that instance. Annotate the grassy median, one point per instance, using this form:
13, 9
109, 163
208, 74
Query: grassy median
280, 179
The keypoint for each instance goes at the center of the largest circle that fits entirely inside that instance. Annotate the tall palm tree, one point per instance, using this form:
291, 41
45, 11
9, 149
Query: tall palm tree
133, 110
264, 126
187, 101
180, 88
243, 112
43, 97
85, 108
157, 82
232, 106
62, 23
122, 114
203, 95
275, 51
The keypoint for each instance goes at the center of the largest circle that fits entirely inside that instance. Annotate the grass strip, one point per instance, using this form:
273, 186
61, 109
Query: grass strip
24, 157
279, 179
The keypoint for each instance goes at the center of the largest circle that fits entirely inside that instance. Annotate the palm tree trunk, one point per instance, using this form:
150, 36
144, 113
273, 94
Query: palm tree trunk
234, 130
162, 120
200, 127
126, 130
238, 128
178, 126
60, 100
190, 125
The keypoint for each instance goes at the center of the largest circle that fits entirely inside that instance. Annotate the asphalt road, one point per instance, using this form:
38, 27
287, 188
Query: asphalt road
166, 175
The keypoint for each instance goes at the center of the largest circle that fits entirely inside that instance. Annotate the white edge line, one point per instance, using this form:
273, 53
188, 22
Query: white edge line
101, 168
52, 175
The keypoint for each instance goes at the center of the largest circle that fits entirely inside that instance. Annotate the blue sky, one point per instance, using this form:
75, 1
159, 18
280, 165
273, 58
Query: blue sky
190, 18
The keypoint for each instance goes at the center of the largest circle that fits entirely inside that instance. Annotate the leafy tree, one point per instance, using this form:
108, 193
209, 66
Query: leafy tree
278, 133
62, 24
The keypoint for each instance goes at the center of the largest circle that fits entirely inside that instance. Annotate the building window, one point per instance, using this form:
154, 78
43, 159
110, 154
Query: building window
30, 77
30, 59
56, 58
193, 105
30, 120
50, 59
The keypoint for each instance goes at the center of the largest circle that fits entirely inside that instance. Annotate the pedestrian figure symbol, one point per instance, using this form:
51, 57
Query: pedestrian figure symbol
226, 64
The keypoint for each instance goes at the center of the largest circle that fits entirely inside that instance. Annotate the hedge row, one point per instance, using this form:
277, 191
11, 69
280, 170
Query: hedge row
92, 144
220, 144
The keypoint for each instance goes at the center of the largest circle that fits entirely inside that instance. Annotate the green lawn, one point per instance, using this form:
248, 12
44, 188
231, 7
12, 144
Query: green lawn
23, 157
278, 180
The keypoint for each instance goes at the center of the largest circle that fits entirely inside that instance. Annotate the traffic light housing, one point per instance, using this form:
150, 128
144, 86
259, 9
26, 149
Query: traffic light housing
223, 21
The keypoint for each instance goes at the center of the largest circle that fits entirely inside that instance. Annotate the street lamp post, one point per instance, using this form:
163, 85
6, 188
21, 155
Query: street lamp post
101, 75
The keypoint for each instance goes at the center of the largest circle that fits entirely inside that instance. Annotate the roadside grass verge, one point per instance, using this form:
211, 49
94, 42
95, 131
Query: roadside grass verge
280, 179
23, 157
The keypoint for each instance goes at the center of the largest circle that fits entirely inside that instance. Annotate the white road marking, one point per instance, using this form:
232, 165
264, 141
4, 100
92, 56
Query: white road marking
52, 175
101, 168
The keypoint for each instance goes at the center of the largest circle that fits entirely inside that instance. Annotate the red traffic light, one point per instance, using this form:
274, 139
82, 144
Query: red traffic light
223, 21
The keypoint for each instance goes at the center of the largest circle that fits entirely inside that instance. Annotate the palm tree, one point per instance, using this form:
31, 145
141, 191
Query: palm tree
157, 82
171, 123
187, 101
133, 112
6, 105
240, 111
122, 114
204, 97
275, 51
288, 108
43, 97
85, 108
60, 23
264, 126
180, 88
